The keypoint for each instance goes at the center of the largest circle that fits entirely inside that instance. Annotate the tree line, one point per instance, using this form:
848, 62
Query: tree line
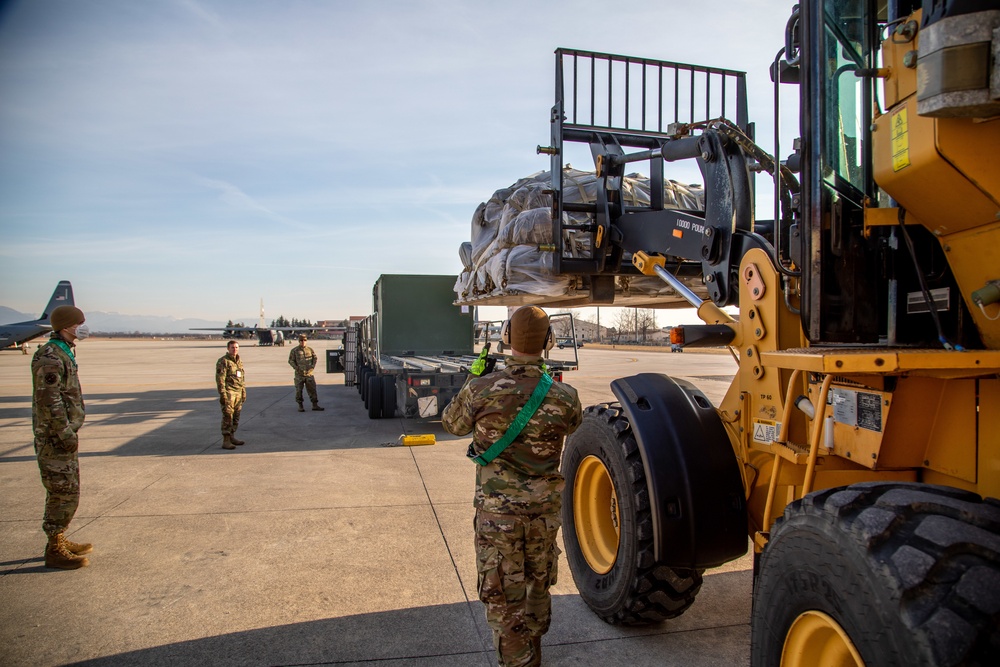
231, 330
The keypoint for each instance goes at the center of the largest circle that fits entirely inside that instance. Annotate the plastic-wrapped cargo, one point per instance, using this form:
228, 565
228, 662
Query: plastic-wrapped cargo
509, 259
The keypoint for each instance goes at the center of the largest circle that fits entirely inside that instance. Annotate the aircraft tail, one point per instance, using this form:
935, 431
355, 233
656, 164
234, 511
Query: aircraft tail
63, 296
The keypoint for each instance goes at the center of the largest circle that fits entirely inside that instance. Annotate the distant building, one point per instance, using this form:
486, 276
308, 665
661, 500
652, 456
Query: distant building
332, 329
585, 331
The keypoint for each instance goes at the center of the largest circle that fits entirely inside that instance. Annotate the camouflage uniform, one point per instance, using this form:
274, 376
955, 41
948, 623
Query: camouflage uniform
57, 413
230, 381
303, 360
518, 498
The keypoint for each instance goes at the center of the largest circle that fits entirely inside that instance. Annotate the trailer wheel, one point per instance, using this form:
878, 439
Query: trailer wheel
374, 393
388, 396
363, 385
607, 527
880, 574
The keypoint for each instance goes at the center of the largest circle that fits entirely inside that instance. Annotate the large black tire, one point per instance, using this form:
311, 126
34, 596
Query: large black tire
608, 530
360, 380
909, 572
388, 396
374, 392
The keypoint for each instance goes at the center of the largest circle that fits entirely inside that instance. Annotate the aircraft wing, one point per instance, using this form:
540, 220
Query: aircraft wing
21, 332
265, 336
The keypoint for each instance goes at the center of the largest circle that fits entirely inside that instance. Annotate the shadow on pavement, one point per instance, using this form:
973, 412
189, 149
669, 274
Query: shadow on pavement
185, 422
424, 635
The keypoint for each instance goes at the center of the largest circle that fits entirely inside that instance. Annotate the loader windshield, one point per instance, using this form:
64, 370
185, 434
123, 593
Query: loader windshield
844, 118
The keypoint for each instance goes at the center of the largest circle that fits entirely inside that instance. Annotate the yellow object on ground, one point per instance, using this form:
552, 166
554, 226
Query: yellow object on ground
413, 440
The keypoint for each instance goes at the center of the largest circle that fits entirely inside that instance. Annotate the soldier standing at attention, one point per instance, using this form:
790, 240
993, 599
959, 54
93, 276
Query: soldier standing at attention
230, 380
518, 484
57, 413
303, 360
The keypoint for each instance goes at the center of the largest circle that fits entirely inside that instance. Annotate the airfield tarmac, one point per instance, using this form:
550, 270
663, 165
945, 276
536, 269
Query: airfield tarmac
313, 544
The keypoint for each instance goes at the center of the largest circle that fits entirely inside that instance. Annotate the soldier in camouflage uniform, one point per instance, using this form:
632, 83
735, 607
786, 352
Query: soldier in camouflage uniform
57, 413
230, 380
303, 360
518, 494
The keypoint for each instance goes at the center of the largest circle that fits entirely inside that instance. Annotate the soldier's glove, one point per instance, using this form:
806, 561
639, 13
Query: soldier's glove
484, 364
70, 443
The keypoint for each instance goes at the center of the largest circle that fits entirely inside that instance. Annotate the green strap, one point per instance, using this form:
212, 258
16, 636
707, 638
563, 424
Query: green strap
58, 342
514, 430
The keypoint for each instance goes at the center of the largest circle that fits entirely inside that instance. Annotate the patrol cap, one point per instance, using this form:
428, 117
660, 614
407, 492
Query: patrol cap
303, 337
65, 316
528, 330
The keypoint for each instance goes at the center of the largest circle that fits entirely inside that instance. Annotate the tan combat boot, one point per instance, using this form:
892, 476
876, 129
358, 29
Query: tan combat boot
59, 557
232, 439
301, 409
75, 548
316, 407
227, 442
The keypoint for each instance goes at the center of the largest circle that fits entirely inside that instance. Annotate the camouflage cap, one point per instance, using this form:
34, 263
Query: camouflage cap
528, 329
303, 337
65, 316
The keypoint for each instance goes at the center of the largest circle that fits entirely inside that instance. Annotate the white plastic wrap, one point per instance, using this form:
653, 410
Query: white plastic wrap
510, 256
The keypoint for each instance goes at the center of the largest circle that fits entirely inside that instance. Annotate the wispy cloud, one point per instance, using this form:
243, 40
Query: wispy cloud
239, 200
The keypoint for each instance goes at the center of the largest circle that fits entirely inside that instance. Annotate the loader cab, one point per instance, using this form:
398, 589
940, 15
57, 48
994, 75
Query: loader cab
842, 301
861, 284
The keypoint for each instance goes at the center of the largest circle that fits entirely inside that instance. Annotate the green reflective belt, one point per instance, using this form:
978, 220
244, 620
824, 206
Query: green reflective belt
514, 430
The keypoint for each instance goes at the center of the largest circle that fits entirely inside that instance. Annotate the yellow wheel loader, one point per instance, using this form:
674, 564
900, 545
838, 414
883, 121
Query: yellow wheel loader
858, 447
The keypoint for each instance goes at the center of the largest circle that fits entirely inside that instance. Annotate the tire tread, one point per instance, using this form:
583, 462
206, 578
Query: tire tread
925, 541
657, 592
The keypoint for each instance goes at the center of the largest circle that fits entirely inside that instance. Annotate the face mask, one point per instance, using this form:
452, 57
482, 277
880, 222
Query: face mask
82, 332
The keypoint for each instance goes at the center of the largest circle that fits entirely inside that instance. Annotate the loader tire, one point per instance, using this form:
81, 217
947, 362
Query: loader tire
374, 396
880, 574
388, 396
607, 528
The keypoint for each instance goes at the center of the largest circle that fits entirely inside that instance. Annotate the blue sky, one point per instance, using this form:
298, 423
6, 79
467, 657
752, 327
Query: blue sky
187, 158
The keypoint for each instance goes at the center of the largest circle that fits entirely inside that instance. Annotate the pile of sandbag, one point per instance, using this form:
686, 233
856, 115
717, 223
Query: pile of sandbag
511, 246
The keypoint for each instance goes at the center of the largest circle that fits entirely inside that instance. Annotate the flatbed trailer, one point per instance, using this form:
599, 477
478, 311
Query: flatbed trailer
415, 351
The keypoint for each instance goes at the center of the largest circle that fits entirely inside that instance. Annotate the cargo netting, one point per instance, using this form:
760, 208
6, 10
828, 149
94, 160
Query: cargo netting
510, 257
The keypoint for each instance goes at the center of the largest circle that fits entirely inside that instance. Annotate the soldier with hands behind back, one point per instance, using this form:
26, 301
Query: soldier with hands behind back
57, 413
518, 483
230, 380
303, 360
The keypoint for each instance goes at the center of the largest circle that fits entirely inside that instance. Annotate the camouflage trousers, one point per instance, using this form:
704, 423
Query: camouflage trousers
516, 557
60, 472
310, 384
232, 403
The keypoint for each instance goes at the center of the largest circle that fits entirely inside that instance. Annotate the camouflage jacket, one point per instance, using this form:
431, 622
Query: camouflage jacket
302, 359
57, 408
525, 478
229, 375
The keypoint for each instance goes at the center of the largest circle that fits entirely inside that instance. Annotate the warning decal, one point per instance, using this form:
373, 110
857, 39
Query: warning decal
765, 432
900, 141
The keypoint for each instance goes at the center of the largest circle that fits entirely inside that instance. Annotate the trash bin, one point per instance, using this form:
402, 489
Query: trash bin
334, 361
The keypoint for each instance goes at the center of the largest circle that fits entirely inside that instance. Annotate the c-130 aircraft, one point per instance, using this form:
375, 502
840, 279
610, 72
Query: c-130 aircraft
266, 335
20, 333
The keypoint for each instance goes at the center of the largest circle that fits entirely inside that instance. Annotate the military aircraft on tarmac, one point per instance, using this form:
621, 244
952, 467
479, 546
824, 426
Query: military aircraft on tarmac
20, 333
265, 335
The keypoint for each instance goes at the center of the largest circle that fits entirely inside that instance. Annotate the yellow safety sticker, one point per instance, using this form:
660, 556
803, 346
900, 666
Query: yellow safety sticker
900, 141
